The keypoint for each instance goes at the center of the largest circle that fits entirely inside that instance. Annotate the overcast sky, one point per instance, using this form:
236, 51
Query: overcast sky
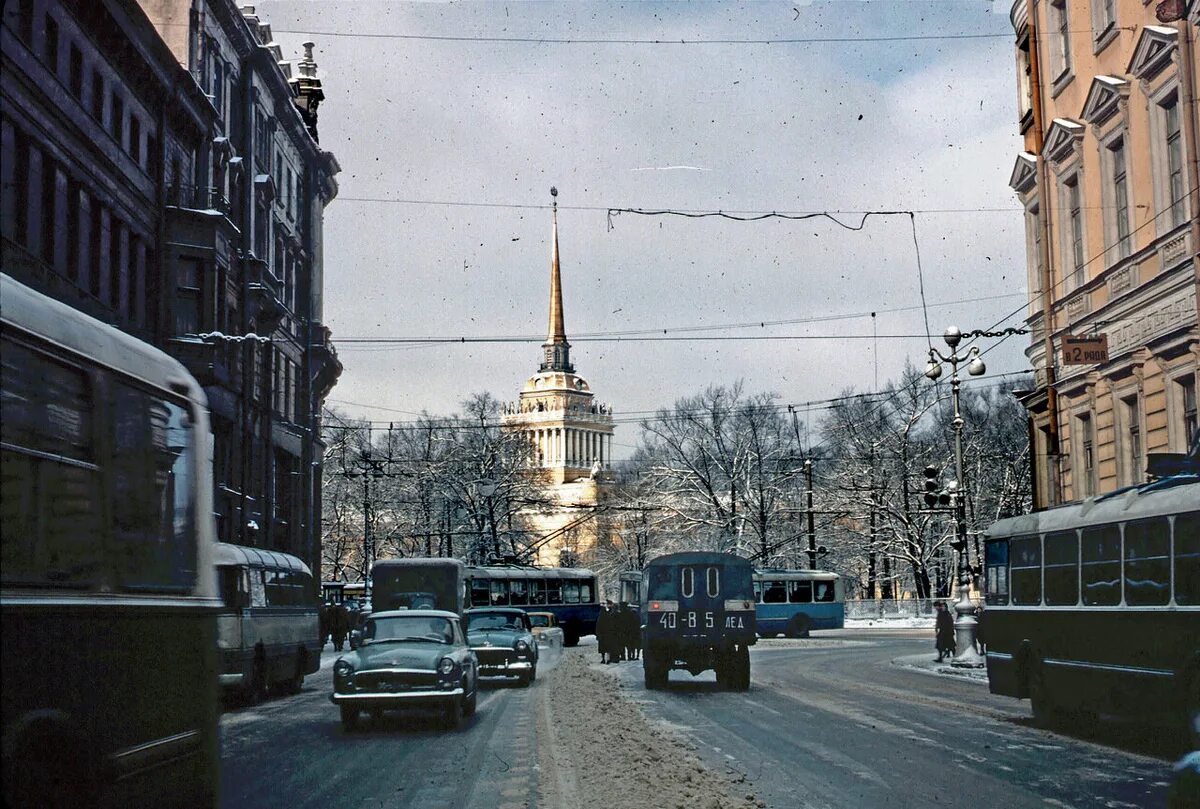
926, 125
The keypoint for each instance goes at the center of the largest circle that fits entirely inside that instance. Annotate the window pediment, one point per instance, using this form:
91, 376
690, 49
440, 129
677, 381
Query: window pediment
1062, 138
1103, 99
1024, 173
1154, 51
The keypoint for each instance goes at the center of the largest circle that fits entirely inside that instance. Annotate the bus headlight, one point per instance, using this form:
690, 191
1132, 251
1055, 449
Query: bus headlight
446, 666
343, 669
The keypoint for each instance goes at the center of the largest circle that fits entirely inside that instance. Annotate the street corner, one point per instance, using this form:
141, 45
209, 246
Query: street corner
929, 664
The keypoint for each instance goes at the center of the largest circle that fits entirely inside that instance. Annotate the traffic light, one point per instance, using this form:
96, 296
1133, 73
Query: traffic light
933, 485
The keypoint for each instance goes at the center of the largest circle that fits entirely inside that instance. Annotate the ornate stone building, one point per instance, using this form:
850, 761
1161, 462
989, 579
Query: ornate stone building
571, 435
1108, 179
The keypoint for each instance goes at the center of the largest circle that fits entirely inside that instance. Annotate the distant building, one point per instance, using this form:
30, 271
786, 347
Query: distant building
571, 436
1109, 184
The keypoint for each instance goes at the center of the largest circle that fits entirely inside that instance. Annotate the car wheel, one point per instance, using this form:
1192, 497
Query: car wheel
349, 717
48, 763
798, 627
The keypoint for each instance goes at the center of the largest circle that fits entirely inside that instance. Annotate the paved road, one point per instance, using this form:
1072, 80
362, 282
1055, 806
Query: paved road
292, 752
829, 725
837, 726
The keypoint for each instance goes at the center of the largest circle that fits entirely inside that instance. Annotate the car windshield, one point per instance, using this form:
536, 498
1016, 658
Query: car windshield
495, 620
409, 628
539, 620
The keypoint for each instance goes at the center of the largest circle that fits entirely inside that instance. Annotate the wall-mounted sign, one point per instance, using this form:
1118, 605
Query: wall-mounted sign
1089, 350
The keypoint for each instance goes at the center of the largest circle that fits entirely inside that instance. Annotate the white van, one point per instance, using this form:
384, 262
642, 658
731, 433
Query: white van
267, 633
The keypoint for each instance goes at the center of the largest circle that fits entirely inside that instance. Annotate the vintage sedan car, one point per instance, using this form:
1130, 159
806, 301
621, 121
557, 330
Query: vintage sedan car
405, 659
501, 640
546, 630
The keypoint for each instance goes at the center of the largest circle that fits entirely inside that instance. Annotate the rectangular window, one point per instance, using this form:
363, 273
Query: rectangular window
775, 592
1061, 43
1132, 460
116, 267
480, 593
189, 312
1075, 231
995, 559
823, 592
49, 483
25, 21
571, 592
95, 248
135, 139
1147, 563
51, 50
1026, 555
518, 593
218, 85
553, 591
1187, 558
537, 592
1120, 185
74, 230
1175, 200
1187, 398
1100, 566
1085, 457
499, 594
75, 72
49, 223
1062, 569
800, 592
97, 96
117, 120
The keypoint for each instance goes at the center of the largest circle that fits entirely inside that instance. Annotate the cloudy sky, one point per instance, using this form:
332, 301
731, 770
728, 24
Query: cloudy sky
883, 120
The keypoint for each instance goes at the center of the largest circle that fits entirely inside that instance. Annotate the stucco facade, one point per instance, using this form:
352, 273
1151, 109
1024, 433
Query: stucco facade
1108, 179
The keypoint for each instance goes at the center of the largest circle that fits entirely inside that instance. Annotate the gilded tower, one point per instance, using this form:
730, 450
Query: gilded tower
571, 435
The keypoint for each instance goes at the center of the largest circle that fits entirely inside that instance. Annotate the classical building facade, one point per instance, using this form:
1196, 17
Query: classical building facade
571, 439
1109, 183
161, 172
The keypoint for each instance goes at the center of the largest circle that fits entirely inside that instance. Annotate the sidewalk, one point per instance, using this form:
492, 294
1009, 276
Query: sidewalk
927, 663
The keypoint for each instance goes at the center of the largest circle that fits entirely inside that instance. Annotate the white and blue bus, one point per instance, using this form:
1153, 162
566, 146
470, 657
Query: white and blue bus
108, 598
569, 593
793, 602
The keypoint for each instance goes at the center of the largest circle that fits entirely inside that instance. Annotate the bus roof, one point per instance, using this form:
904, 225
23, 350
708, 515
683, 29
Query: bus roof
418, 561
227, 554
1152, 500
780, 573
68, 328
518, 572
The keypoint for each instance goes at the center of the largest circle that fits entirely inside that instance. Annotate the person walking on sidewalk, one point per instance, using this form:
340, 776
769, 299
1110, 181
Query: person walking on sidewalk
943, 631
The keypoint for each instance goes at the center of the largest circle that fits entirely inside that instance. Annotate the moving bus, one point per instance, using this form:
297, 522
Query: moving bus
796, 601
569, 593
267, 635
1095, 607
418, 584
108, 600
697, 613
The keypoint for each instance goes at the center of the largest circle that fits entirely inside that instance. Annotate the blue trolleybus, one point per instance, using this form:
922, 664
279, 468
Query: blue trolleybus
697, 613
569, 593
793, 602
1094, 608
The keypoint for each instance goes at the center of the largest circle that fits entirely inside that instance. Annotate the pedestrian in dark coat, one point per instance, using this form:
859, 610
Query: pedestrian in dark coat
323, 621
604, 631
944, 631
631, 628
980, 638
339, 626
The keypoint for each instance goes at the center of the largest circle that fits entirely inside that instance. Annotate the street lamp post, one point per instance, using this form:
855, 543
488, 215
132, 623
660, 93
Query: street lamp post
965, 625
486, 488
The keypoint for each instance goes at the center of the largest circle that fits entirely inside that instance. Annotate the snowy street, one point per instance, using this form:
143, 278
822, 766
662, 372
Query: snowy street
843, 720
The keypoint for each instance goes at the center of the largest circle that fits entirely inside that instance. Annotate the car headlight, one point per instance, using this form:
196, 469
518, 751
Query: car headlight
343, 669
446, 666
522, 646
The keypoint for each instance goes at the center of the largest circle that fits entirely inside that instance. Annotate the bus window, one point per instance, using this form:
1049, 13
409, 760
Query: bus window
570, 592
687, 586
499, 593
1147, 563
662, 582
48, 502
1187, 558
585, 592
518, 593
774, 592
232, 582
1026, 570
996, 562
537, 592
822, 591
481, 593
713, 582
758, 591
553, 591
800, 592
1100, 562
258, 593
1062, 569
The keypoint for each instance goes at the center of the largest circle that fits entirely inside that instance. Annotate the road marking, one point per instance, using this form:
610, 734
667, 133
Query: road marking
763, 707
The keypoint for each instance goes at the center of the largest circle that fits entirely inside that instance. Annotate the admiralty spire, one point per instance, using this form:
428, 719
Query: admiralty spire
570, 433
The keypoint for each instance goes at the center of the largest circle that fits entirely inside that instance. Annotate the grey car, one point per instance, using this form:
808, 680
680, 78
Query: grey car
406, 659
503, 642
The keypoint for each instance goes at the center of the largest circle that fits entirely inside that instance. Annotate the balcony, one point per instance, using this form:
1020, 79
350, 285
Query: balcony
209, 361
326, 367
198, 198
264, 299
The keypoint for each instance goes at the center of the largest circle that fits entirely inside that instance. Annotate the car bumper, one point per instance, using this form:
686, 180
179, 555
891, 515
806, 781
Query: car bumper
395, 699
512, 668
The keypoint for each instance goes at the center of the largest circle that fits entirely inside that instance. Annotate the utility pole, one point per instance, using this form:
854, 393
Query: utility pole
812, 533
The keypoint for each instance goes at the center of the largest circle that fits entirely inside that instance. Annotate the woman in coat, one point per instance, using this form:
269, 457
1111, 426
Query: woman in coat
944, 629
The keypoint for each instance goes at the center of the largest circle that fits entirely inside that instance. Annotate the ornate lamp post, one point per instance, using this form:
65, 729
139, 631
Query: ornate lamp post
486, 487
965, 625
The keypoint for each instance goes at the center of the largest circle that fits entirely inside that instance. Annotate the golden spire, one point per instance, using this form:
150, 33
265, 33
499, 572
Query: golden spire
556, 348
